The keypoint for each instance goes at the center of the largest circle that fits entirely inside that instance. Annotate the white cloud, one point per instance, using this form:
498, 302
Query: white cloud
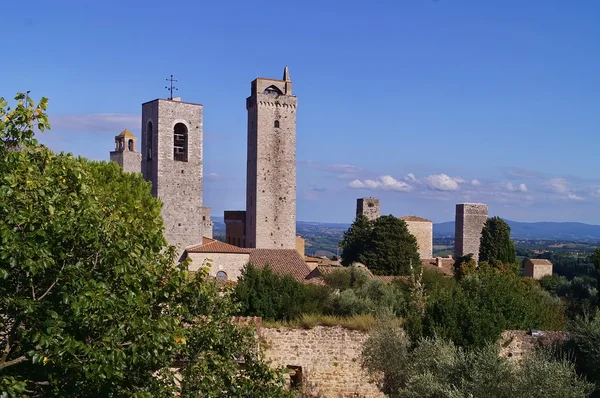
410, 177
572, 196
475, 182
558, 185
387, 183
442, 182
521, 187
100, 123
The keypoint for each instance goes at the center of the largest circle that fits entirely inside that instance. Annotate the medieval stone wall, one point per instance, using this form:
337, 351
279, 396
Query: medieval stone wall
423, 231
271, 179
537, 269
469, 221
329, 357
129, 161
177, 183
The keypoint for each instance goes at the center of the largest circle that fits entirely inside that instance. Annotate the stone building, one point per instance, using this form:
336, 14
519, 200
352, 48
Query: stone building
228, 261
469, 221
537, 268
422, 230
172, 160
125, 153
271, 172
235, 227
368, 207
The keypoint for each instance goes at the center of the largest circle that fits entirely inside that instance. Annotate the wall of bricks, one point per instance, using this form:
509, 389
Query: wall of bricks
423, 231
231, 263
470, 218
329, 356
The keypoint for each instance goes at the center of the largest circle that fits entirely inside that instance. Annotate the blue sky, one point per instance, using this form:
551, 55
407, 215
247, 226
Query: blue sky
421, 103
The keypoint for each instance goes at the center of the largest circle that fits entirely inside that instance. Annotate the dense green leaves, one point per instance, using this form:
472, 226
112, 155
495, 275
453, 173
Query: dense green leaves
91, 301
384, 245
496, 244
437, 368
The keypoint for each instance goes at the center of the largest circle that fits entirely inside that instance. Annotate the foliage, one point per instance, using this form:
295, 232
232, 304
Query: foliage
364, 322
91, 302
496, 243
596, 260
464, 265
355, 241
262, 292
434, 367
584, 343
384, 245
479, 307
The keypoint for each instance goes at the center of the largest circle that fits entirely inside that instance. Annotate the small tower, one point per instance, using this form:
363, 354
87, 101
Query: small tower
368, 207
271, 170
172, 161
469, 222
125, 154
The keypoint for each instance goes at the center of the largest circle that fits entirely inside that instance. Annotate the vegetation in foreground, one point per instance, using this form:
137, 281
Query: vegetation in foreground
90, 301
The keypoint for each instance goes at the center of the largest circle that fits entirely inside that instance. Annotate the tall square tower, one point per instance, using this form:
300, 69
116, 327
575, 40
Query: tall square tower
469, 221
172, 162
368, 207
271, 170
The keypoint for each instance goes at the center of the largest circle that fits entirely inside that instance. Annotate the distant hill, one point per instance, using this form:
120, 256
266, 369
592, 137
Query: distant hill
519, 230
536, 230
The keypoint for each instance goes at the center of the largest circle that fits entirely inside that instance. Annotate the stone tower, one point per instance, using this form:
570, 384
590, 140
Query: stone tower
125, 154
271, 170
172, 161
368, 207
470, 218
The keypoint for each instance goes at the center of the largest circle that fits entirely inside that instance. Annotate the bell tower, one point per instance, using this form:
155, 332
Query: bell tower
271, 170
172, 160
125, 153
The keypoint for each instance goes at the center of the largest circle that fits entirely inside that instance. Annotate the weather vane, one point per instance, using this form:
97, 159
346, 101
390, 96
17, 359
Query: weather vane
171, 87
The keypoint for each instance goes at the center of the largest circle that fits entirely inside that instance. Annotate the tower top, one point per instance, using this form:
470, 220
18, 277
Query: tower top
125, 133
286, 74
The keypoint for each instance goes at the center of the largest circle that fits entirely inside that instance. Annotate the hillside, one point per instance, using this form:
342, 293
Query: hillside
536, 230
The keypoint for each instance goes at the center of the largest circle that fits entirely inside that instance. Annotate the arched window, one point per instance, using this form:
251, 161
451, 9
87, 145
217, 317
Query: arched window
222, 275
272, 90
130, 145
276, 124
150, 133
180, 142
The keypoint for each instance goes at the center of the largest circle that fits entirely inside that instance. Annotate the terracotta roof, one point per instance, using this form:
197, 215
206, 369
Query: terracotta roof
126, 133
414, 218
282, 261
321, 270
540, 261
215, 246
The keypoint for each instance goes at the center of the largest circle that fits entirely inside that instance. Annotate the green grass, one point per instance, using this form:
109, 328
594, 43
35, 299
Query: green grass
364, 322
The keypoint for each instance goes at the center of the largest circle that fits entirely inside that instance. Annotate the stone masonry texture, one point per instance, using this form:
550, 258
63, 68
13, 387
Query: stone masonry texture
369, 207
469, 222
330, 358
423, 231
537, 268
177, 183
129, 161
271, 171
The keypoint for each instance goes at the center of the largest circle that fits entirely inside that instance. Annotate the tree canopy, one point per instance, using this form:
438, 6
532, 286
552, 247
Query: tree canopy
496, 244
92, 302
385, 246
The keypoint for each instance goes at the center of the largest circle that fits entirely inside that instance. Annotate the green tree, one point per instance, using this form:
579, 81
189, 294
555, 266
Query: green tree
262, 292
356, 240
496, 244
437, 368
92, 302
384, 245
596, 261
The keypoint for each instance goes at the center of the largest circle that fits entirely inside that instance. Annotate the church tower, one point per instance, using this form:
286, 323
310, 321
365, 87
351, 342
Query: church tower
172, 162
271, 171
125, 154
